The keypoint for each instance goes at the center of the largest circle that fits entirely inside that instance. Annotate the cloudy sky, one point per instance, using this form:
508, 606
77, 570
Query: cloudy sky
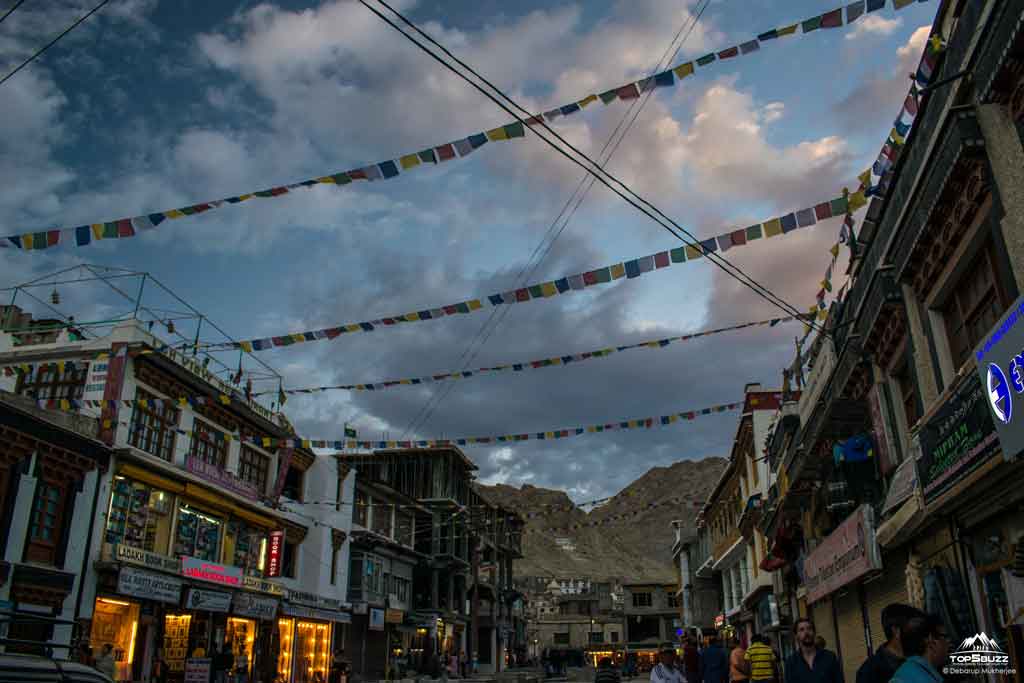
152, 105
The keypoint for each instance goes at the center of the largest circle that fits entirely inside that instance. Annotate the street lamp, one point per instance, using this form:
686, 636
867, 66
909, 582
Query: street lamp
590, 644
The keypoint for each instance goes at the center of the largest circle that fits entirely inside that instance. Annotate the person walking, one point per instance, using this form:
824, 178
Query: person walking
606, 673
739, 669
809, 663
761, 660
714, 663
665, 670
926, 646
105, 663
691, 660
880, 667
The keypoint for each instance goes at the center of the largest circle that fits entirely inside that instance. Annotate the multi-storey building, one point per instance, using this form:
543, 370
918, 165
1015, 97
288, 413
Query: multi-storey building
897, 477
700, 597
201, 538
650, 618
579, 621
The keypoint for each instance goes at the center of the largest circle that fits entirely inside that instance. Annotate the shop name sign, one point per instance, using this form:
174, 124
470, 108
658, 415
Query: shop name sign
1000, 363
313, 600
144, 558
224, 575
959, 436
227, 480
208, 601
255, 583
139, 583
848, 553
253, 606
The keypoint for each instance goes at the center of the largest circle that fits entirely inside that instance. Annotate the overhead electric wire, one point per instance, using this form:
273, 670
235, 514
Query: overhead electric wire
53, 42
579, 196
10, 11
598, 174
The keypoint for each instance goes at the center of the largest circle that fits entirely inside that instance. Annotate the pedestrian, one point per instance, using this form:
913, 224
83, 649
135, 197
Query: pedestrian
665, 670
926, 646
739, 669
762, 661
476, 658
714, 665
463, 663
880, 667
453, 665
606, 673
218, 664
691, 660
105, 663
809, 663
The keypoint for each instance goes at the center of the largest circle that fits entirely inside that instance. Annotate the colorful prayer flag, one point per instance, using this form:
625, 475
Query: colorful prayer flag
854, 11
683, 70
833, 19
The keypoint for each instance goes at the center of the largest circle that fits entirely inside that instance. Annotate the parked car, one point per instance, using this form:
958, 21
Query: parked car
33, 669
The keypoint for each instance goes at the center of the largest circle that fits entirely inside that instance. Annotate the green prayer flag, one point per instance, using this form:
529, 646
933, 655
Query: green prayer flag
536, 292
515, 130
603, 274
678, 255
754, 232
839, 206
706, 59
462, 308
110, 231
811, 24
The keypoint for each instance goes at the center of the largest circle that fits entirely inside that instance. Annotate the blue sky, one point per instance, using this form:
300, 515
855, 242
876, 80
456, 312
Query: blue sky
152, 105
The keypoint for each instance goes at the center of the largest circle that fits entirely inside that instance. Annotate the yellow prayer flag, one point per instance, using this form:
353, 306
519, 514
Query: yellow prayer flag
772, 227
897, 138
857, 200
786, 30
173, 213
355, 328
693, 252
297, 337
305, 443
60, 367
266, 442
498, 133
556, 361
243, 197
865, 178
97, 231
673, 418
326, 179
835, 250
591, 429
246, 346
227, 437
409, 161
411, 317
589, 99
653, 344
822, 314
618, 271
683, 70
549, 435
65, 404
474, 305
548, 289
26, 241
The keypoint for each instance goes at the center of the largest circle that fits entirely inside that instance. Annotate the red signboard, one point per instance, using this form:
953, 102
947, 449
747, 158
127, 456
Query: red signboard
275, 551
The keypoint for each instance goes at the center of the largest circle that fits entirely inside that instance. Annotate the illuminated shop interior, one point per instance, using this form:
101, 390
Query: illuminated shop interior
116, 622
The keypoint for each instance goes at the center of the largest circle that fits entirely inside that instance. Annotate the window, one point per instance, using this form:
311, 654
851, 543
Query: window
198, 534
366, 577
360, 507
642, 600
975, 306
381, 518
46, 381
908, 394
596, 637
403, 528
561, 638
613, 636
252, 468
139, 516
289, 559
673, 600
153, 424
45, 523
334, 566
209, 445
245, 546
399, 588
293, 484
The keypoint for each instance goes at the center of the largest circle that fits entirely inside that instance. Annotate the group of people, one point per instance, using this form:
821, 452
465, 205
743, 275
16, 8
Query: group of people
915, 651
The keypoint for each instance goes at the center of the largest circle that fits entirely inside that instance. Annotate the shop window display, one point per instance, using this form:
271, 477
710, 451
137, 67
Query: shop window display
140, 516
241, 633
284, 658
116, 622
312, 651
176, 627
198, 534
245, 547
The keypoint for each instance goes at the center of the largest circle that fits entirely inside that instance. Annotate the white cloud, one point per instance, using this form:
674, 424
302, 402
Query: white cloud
773, 111
873, 25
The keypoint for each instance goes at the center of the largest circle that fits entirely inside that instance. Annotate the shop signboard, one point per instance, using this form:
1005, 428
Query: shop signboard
255, 583
208, 601
360, 608
394, 616
902, 486
221, 478
144, 558
313, 600
95, 384
222, 574
257, 607
376, 619
275, 550
139, 583
845, 555
959, 436
290, 610
197, 670
1000, 362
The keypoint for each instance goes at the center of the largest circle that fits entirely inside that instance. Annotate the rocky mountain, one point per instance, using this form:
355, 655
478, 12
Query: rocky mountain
629, 537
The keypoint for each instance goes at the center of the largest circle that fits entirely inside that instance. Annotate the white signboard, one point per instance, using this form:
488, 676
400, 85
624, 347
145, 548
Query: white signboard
248, 605
142, 584
208, 601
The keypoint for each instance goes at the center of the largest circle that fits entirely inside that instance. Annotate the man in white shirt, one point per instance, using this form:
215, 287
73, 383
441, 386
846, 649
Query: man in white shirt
665, 671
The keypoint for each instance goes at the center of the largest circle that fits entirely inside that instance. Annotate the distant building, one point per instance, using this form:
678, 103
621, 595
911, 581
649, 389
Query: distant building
651, 617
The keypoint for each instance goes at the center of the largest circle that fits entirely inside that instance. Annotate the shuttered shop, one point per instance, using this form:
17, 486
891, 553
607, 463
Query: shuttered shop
821, 613
850, 623
889, 587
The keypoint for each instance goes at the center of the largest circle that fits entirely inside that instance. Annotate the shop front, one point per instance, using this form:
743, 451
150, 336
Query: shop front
833, 579
310, 629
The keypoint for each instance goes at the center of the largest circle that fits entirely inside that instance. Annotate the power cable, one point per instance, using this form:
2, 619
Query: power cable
651, 211
10, 11
53, 42
579, 194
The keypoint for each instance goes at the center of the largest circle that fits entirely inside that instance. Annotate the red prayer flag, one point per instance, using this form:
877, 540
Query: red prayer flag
739, 237
910, 105
277, 191
833, 19
52, 238
450, 310
522, 294
661, 259
590, 278
124, 228
627, 92
727, 54
823, 211
445, 152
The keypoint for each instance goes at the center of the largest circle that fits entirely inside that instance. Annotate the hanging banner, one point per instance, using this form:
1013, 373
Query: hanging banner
275, 549
85, 235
